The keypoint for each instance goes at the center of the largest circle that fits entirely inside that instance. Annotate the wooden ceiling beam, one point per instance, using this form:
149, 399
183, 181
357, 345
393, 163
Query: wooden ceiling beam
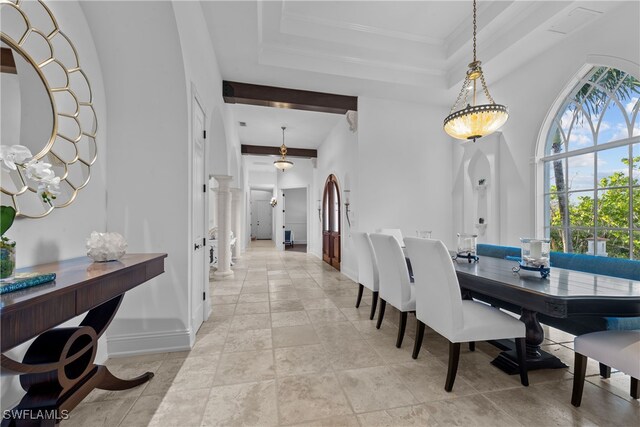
270, 96
260, 150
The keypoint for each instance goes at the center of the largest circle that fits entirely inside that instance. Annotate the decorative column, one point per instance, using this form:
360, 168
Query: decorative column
236, 219
223, 209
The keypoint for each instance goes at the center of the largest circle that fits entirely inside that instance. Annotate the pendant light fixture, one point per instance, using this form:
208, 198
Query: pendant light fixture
474, 121
282, 163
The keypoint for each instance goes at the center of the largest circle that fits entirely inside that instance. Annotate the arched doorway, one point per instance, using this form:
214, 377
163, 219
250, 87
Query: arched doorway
331, 222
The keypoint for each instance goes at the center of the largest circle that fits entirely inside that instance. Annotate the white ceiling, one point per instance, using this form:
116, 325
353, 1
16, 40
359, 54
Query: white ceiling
305, 129
409, 50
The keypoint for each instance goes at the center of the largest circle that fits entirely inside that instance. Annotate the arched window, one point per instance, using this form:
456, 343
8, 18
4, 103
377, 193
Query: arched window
592, 167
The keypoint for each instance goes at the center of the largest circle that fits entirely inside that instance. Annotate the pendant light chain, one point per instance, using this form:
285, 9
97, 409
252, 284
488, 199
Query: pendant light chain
474, 31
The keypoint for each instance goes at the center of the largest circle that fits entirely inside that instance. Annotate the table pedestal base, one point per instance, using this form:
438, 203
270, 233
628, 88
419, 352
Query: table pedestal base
508, 362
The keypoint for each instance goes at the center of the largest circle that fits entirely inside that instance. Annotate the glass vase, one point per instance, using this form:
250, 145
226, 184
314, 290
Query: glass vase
7, 260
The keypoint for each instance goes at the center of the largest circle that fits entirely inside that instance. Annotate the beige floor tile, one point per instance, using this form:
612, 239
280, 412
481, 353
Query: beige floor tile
252, 307
317, 303
289, 318
310, 293
348, 302
361, 313
143, 411
417, 415
250, 321
330, 333
223, 299
248, 340
283, 296
164, 377
473, 410
370, 389
208, 343
280, 282
261, 297
310, 397
222, 310
180, 408
351, 355
385, 346
338, 421
299, 360
251, 404
618, 384
254, 288
195, 373
286, 305
245, 367
326, 315
105, 413
289, 336
531, 405
426, 378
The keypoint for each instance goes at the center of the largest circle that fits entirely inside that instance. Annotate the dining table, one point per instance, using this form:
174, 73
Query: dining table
563, 294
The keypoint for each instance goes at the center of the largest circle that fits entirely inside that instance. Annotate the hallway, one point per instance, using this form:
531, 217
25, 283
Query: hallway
285, 346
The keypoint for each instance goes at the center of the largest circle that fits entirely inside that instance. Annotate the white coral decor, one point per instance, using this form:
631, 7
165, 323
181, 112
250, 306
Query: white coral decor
106, 246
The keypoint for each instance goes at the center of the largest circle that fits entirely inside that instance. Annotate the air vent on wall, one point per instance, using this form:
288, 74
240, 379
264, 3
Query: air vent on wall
243, 124
575, 19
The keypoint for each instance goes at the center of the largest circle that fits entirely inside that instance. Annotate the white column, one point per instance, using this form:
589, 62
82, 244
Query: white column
236, 219
223, 209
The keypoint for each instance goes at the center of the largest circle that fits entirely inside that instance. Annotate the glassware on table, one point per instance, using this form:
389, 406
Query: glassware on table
535, 252
423, 234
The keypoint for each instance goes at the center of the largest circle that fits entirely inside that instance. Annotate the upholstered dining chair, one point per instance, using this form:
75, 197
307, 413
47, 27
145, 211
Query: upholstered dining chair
395, 287
440, 306
618, 349
395, 232
367, 269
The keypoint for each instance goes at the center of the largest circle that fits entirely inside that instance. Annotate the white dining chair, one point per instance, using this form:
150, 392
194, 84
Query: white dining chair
367, 269
618, 349
440, 306
395, 286
395, 232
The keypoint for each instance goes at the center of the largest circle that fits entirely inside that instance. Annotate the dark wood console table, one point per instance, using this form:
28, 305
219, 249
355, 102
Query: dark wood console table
58, 368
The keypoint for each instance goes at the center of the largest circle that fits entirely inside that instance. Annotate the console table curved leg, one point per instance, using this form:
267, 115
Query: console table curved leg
111, 382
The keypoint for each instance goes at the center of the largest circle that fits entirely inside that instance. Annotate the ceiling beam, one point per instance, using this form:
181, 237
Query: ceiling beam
278, 97
7, 63
260, 150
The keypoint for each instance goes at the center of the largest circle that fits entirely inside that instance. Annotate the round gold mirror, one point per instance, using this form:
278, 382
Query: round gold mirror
47, 107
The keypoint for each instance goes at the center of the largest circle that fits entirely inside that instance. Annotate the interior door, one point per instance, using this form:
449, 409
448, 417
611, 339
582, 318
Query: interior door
264, 220
198, 263
331, 223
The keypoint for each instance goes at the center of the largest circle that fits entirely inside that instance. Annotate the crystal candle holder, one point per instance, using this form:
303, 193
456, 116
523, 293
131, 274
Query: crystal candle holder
535, 252
467, 243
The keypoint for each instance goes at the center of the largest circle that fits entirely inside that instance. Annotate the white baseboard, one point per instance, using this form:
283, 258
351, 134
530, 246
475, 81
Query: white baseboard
145, 343
350, 274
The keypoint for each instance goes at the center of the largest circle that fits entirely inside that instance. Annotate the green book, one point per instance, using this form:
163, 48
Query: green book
26, 280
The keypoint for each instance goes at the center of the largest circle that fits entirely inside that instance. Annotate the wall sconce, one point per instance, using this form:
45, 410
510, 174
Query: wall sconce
347, 203
319, 211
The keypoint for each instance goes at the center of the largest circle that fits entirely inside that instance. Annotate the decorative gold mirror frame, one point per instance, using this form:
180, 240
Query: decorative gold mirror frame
84, 140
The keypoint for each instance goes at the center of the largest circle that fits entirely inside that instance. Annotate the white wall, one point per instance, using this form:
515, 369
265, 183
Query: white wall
295, 216
62, 234
530, 91
404, 168
338, 155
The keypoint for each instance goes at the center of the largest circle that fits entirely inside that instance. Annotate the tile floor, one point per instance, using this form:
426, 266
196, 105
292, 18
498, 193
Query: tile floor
286, 346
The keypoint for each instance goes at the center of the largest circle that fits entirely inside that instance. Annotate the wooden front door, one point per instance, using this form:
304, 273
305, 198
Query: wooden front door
331, 222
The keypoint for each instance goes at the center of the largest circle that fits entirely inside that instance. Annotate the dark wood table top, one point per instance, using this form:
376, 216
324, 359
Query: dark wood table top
564, 293
80, 285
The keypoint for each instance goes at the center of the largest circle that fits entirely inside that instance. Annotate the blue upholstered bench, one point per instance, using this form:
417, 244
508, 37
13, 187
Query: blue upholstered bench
579, 325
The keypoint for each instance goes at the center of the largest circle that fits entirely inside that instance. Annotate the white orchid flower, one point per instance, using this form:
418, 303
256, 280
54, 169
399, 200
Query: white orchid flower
13, 155
39, 171
49, 189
